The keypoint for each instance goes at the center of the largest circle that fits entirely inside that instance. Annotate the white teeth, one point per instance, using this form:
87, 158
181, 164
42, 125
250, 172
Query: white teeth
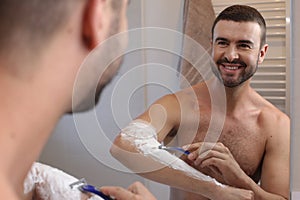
231, 68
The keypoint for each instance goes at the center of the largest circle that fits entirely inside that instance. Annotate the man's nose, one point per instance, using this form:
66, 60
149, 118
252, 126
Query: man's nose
231, 53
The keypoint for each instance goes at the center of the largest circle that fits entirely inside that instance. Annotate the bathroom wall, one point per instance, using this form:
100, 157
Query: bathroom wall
295, 99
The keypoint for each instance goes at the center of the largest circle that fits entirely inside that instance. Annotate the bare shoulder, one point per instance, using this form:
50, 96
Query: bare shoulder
273, 120
271, 115
176, 102
167, 111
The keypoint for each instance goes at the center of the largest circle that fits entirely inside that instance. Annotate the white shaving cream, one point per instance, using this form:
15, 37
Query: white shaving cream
52, 184
144, 137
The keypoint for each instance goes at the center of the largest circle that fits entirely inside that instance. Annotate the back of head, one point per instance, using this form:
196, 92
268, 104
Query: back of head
242, 13
30, 23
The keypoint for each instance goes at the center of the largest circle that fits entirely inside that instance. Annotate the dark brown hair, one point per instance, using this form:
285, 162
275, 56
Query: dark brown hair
31, 21
242, 13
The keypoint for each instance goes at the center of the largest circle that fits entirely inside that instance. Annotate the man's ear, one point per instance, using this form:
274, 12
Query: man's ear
263, 52
93, 23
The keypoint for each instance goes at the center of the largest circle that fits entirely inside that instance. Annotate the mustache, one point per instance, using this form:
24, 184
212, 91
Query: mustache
235, 61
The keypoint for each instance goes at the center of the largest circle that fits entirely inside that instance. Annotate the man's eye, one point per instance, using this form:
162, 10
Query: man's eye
245, 46
222, 43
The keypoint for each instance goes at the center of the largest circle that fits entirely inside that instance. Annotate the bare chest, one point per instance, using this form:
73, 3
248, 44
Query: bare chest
243, 137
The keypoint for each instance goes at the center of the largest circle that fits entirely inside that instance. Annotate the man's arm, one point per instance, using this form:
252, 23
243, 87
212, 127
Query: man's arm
275, 174
164, 115
276, 164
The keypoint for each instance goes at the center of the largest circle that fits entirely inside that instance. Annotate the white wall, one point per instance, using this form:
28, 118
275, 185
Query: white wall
295, 99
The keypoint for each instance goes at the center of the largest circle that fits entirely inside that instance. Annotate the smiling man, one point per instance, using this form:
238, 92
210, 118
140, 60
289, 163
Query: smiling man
253, 143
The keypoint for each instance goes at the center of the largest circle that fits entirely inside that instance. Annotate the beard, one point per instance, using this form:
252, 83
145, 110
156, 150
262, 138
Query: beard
230, 81
112, 69
107, 77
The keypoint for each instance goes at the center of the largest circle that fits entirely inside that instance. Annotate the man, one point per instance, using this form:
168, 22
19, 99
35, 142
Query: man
43, 43
251, 146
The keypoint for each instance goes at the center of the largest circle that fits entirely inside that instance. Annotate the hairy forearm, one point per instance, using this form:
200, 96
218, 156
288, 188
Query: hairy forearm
127, 154
176, 178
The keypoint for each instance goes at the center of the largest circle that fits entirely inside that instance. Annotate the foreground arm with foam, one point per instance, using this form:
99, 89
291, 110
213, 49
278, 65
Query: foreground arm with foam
45, 182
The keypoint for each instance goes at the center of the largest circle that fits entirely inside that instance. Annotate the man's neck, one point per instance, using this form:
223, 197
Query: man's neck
27, 119
236, 97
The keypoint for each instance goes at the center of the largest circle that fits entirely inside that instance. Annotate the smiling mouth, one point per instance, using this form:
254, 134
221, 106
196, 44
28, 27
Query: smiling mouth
231, 67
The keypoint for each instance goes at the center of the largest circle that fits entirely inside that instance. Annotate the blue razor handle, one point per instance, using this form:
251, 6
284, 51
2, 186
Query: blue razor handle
186, 152
92, 189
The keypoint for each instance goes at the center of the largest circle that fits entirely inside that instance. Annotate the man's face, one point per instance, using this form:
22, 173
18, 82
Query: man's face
236, 51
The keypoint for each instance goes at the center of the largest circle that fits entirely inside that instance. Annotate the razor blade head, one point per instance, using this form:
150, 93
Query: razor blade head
78, 184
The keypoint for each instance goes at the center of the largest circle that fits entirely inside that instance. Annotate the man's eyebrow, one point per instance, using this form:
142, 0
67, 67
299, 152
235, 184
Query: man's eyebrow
240, 41
221, 38
245, 41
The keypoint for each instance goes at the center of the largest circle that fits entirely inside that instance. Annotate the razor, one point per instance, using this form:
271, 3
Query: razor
84, 187
172, 149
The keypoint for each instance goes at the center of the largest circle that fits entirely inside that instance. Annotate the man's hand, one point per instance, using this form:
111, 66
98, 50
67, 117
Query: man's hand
217, 158
136, 191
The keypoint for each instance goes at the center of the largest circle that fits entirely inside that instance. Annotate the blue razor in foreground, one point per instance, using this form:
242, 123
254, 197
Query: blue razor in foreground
86, 188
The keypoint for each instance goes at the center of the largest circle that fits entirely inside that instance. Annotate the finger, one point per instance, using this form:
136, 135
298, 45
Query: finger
207, 146
192, 155
208, 155
214, 146
221, 148
137, 188
200, 149
118, 192
216, 162
192, 147
140, 189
